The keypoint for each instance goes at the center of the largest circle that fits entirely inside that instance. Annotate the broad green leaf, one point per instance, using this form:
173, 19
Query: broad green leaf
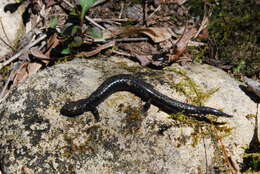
70, 29
74, 30
65, 51
77, 41
53, 22
66, 28
85, 5
95, 32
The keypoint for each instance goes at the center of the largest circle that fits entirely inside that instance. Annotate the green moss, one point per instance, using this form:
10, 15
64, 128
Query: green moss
237, 20
125, 66
190, 89
132, 121
233, 32
5, 71
202, 129
61, 61
251, 162
71, 149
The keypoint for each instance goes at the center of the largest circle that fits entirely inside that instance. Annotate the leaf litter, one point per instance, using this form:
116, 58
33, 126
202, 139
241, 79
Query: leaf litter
69, 27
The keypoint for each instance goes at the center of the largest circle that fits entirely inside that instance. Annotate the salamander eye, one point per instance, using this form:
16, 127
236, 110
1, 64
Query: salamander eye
72, 109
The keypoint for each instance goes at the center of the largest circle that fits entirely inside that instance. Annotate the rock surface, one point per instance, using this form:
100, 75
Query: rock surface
34, 134
10, 32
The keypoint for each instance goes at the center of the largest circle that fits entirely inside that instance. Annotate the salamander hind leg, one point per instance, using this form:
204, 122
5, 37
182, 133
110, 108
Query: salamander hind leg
95, 112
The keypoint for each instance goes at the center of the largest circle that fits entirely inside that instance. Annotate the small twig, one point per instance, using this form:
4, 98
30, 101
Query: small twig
206, 156
122, 53
132, 39
93, 22
157, 9
68, 3
22, 51
111, 20
145, 13
7, 44
257, 123
185, 28
227, 158
122, 4
98, 2
3, 95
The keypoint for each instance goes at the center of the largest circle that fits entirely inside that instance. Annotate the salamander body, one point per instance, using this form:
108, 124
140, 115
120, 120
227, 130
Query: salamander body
145, 91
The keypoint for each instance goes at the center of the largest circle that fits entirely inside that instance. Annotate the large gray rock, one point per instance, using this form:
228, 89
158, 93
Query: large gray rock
35, 135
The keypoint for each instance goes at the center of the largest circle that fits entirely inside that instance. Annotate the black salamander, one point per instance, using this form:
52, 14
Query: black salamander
141, 89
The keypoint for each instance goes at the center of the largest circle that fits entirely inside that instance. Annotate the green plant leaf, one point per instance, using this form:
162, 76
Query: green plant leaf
70, 29
65, 29
77, 41
74, 30
85, 5
95, 32
53, 22
65, 51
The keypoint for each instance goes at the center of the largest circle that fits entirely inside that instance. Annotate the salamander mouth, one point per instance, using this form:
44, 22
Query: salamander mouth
72, 109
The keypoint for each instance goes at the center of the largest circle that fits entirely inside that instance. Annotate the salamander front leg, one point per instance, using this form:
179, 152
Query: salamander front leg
94, 111
146, 107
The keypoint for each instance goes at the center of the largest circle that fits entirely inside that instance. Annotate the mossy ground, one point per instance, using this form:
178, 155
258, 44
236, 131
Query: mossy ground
233, 34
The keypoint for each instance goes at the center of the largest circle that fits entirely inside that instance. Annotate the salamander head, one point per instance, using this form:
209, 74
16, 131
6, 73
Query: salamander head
75, 108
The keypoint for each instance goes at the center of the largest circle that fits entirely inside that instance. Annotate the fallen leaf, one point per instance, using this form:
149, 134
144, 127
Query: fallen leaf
185, 38
24, 71
97, 50
203, 26
27, 170
157, 34
36, 52
53, 41
144, 59
180, 2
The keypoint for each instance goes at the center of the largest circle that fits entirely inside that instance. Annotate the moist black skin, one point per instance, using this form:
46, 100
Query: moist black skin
145, 91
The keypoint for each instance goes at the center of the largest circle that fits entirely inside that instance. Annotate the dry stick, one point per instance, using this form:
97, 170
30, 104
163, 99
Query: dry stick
206, 156
122, 53
2, 26
93, 22
111, 20
68, 3
157, 9
98, 2
257, 123
22, 51
227, 158
122, 4
132, 39
2, 96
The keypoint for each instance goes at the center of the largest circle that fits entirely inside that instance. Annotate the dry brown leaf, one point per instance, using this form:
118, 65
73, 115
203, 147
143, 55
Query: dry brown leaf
26, 69
53, 41
36, 52
27, 170
144, 59
180, 2
182, 43
187, 36
203, 26
97, 50
204, 34
157, 34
